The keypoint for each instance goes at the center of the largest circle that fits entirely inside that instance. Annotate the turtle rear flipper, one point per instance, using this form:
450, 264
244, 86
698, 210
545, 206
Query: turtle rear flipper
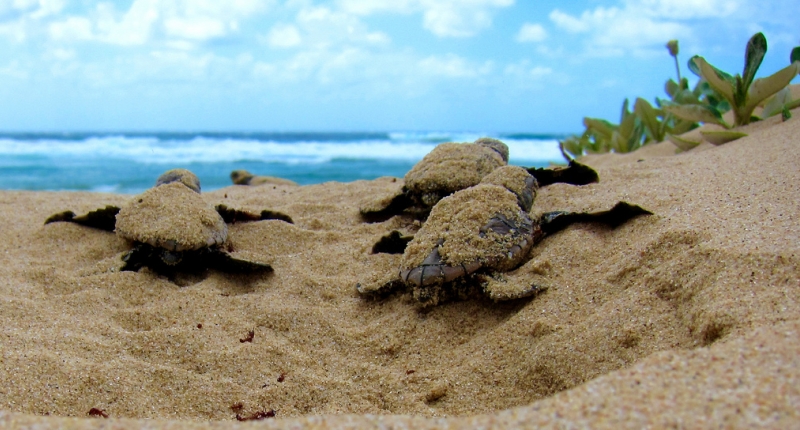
392, 243
574, 174
102, 219
231, 216
381, 287
511, 288
621, 213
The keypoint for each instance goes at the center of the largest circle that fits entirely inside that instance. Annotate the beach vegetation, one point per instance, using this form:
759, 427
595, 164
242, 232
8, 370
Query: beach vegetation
742, 92
715, 93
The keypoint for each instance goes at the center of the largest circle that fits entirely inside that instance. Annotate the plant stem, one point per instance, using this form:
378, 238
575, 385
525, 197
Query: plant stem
677, 69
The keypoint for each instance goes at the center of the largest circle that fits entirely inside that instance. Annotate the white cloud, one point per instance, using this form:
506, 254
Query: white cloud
444, 18
571, 23
540, 71
321, 27
639, 27
531, 33
643, 26
14, 31
197, 28
284, 36
453, 66
135, 27
524, 70
180, 23
368, 7
685, 9
35, 9
72, 29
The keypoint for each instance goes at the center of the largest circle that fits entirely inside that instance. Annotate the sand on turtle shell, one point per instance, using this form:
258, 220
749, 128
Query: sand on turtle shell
511, 177
457, 221
171, 214
452, 166
687, 318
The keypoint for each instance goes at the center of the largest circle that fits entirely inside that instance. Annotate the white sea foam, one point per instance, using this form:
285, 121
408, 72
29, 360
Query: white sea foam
152, 150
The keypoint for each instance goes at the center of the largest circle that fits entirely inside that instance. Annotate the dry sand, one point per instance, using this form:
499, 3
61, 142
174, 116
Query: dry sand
687, 318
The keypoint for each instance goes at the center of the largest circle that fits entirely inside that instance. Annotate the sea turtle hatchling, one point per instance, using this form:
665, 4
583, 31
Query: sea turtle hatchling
451, 167
172, 228
243, 177
480, 231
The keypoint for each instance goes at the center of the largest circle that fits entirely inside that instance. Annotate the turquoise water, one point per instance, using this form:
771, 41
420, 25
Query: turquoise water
130, 162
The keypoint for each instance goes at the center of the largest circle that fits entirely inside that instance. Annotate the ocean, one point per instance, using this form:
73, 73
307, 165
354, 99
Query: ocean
129, 163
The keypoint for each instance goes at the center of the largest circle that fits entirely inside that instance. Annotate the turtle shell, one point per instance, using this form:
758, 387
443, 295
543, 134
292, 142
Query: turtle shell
458, 226
451, 167
173, 217
518, 181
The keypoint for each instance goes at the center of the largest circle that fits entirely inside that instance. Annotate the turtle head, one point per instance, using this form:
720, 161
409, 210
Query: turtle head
517, 180
183, 176
241, 177
494, 145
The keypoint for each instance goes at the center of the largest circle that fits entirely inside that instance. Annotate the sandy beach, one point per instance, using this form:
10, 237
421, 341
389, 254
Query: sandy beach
686, 318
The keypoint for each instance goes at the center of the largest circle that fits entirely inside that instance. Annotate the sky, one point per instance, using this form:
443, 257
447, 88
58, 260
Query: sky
360, 65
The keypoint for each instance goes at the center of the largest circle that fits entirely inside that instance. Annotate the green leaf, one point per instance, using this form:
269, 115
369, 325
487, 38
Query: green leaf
765, 87
624, 112
626, 126
699, 113
649, 119
671, 88
795, 55
683, 125
693, 67
599, 126
681, 143
686, 97
775, 104
721, 84
794, 104
572, 145
720, 137
754, 55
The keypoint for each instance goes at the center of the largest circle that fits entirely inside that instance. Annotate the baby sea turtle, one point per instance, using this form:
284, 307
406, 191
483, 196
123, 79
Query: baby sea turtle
451, 167
243, 177
477, 232
172, 228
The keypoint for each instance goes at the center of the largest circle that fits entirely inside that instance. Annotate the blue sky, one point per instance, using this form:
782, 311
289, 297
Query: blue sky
341, 65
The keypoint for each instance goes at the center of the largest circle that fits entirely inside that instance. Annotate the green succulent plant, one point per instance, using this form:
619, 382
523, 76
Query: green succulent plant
743, 93
714, 94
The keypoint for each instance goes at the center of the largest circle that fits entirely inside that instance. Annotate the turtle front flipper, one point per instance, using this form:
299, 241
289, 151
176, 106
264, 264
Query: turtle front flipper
574, 174
226, 262
102, 219
136, 258
232, 216
622, 212
380, 211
